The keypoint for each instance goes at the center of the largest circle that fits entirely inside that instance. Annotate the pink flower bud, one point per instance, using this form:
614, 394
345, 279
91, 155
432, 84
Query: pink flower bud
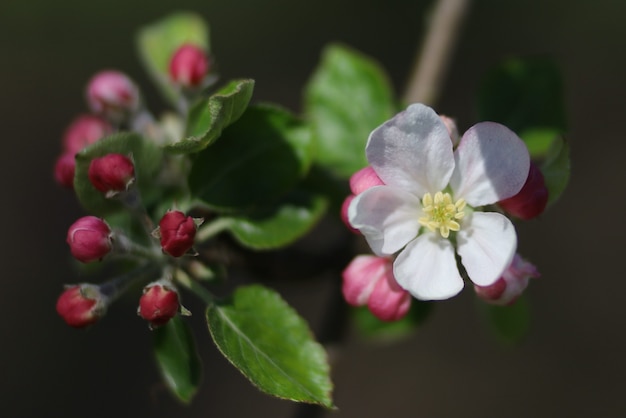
158, 304
111, 174
81, 305
177, 233
112, 93
359, 182
368, 280
83, 131
452, 129
64, 170
189, 65
89, 239
511, 285
364, 179
531, 200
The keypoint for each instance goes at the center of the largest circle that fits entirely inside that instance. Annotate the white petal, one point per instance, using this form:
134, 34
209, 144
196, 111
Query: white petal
492, 164
486, 244
387, 217
427, 269
412, 151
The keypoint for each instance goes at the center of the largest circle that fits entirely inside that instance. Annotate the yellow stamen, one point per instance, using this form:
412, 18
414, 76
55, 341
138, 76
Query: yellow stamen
441, 214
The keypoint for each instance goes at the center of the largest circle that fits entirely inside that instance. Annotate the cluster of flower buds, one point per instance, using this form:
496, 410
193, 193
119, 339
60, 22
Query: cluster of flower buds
408, 225
115, 102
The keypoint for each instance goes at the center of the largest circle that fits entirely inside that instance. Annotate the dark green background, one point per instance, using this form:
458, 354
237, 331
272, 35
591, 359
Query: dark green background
572, 364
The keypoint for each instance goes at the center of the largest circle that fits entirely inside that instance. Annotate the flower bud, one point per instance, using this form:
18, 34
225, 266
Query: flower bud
111, 174
452, 129
531, 200
177, 233
84, 131
364, 179
81, 305
511, 285
359, 182
368, 280
189, 65
64, 170
159, 303
112, 93
89, 239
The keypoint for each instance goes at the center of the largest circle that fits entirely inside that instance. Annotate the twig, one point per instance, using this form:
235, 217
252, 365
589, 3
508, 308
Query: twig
430, 67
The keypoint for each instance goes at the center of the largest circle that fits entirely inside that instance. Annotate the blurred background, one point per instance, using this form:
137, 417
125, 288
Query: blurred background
572, 363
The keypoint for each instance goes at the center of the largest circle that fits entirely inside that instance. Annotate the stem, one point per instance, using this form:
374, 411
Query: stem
115, 287
194, 287
430, 68
211, 229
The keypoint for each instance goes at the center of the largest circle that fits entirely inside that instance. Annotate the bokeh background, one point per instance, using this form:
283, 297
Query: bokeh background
573, 362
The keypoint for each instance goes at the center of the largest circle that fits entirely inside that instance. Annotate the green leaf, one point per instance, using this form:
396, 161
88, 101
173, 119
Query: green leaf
209, 117
146, 156
523, 94
176, 356
373, 328
556, 169
280, 224
157, 42
347, 97
509, 323
256, 161
539, 141
271, 345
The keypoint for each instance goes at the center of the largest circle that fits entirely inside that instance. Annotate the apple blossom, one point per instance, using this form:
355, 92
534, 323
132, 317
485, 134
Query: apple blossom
89, 239
189, 65
159, 303
531, 200
432, 197
177, 232
111, 173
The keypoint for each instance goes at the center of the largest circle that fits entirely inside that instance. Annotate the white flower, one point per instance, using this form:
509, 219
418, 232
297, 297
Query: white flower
431, 199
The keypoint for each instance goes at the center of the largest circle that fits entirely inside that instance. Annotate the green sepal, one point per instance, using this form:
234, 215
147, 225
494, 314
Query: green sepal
256, 161
157, 42
177, 358
511, 323
373, 328
146, 157
281, 224
207, 118
346, 98
271, 345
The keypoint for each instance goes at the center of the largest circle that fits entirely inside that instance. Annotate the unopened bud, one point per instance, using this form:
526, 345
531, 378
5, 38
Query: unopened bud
511, 285
368, 280
112, 93
84, 131
177, 232
453, 131
364, 179
81, 305
111, 174
359, 182
531, 200
189, 66
159, 303
89, 239
64, 170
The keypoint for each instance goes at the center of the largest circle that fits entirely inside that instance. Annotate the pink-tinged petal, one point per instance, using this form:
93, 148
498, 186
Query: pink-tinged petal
387, 217
360, 277
486, 244
427, 268
344, 213
388, 301
492, 164
412, 151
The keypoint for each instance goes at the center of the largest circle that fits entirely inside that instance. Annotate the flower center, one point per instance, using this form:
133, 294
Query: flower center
441, 214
